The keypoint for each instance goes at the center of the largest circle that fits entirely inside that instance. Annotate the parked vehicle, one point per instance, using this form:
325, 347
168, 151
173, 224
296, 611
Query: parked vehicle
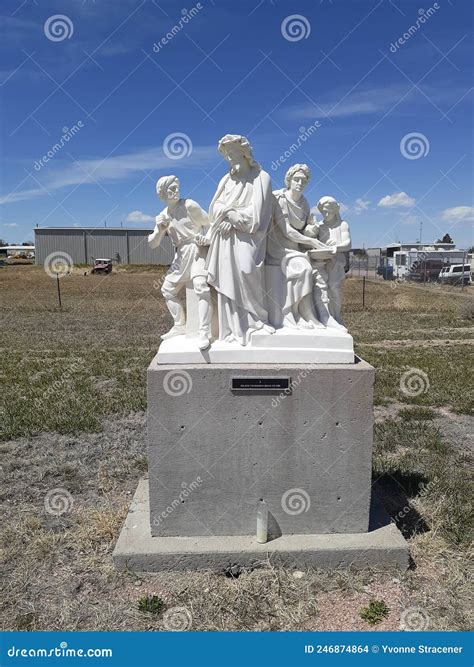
425, 270
455, 274
102, 266
385, 271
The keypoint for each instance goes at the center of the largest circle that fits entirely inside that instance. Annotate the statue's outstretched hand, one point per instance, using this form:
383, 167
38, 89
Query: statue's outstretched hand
201, 240
162, 222
225, 227
316, 244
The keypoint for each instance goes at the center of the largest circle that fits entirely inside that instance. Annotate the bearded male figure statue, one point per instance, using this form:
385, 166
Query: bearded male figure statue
184, 221
239, 217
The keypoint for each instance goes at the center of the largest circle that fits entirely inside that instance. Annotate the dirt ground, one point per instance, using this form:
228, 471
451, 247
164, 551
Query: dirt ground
73, 419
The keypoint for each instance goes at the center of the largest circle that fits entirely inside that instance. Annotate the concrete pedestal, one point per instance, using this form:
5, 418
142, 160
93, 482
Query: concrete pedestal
222, 437
315, 439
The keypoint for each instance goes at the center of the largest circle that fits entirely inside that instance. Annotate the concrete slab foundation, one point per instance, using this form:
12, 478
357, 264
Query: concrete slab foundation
137, 550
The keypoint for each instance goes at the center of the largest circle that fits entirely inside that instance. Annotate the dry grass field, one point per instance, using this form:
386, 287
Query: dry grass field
73, 382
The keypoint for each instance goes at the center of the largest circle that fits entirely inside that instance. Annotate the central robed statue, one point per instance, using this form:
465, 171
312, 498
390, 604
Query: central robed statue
239, 216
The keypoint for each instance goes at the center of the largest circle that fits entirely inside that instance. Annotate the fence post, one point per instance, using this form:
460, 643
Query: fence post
363, 292
59, 290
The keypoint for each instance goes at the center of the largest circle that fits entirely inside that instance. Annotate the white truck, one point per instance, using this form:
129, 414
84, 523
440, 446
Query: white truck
455, 274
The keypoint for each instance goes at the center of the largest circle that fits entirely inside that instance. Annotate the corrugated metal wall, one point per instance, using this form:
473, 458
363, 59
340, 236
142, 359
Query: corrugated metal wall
129, 246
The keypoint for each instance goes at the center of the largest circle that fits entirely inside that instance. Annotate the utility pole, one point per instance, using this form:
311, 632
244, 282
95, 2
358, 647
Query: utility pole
421, 230
463, 265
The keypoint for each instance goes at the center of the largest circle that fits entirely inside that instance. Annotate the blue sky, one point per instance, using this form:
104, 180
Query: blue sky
331, 86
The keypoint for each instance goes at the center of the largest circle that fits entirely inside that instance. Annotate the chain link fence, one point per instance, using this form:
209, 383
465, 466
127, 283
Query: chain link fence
421, 267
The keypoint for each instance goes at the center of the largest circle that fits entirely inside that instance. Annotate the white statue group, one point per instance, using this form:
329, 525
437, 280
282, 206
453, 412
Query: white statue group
271, 263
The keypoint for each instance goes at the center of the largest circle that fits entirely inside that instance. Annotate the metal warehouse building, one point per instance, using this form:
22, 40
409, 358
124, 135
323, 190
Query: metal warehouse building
85, 244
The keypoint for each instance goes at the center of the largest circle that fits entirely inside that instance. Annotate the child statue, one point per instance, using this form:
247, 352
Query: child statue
329, 267
183, 220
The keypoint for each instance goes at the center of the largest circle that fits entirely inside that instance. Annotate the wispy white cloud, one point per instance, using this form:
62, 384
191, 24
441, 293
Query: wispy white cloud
410, 220
343, 103
397, 200
369, 101
138, 216
458, 214
22, 195
114, 169
361, 205
10, 224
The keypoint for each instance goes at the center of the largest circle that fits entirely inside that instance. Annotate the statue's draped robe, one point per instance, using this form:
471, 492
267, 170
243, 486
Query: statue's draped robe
235, 260
284, 248
332, 271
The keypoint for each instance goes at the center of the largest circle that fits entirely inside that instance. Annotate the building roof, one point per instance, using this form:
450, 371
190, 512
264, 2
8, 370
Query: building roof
93, 229
17, 247
419, 245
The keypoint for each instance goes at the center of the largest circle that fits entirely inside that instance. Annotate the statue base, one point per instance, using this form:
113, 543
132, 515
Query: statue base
285, 346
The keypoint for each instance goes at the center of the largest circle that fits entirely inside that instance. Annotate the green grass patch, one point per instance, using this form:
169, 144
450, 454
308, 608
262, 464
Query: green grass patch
418, 413
424, 480
70, 390
150, 604
375, 612
423, 376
